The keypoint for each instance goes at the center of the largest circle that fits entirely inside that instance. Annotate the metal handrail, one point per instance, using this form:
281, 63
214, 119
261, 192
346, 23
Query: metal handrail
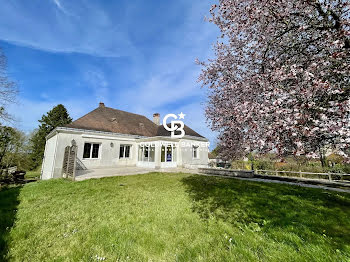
80, 164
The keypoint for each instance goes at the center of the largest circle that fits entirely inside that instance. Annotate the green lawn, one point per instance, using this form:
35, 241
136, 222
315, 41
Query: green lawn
32, 174
172, 217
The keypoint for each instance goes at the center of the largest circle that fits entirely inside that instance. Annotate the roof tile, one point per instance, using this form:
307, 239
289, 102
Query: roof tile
117, 121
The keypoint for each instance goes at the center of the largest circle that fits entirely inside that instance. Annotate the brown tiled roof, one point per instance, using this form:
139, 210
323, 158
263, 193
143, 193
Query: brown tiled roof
188, 131
117, 121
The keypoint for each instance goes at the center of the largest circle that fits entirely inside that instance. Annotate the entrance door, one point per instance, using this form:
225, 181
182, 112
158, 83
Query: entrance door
168, 156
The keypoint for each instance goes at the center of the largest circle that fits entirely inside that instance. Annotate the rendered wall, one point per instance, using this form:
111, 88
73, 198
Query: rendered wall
49, 158
108, 151
187, 160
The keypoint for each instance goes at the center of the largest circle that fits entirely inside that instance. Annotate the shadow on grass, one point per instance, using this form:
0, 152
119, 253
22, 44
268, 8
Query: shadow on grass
274, 209
8, 204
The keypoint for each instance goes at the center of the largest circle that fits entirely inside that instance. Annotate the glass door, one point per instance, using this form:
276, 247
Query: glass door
168, 156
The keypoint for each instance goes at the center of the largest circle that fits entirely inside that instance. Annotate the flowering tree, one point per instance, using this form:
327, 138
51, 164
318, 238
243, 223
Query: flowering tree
280, 79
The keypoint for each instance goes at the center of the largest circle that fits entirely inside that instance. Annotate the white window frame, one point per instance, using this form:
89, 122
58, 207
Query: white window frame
92, 146
173, 152
195, 148
143, 150
125, 145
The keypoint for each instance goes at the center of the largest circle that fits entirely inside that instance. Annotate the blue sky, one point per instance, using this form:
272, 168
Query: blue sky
137, 56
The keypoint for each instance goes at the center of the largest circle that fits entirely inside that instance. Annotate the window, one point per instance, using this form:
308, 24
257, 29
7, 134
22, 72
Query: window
127, 151
146, 153
152, 151
168, 153
95, 148
195, 152
124, 151
169, 156
91, 150
162, 158
87, 150
121, 151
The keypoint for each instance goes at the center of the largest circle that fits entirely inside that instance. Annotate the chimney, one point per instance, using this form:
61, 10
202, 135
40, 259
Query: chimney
156, 118
101, 104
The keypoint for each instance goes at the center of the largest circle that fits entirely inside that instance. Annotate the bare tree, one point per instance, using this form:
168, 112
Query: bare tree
8, 88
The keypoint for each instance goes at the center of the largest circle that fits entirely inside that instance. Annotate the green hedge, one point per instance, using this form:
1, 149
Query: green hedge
290, 165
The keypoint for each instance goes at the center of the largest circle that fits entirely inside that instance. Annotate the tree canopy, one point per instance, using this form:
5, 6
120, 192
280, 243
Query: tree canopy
13, 148
280, 79
58, 116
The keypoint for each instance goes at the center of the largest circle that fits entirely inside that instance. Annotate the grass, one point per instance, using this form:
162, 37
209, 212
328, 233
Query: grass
173, 217
32, 174
8, 204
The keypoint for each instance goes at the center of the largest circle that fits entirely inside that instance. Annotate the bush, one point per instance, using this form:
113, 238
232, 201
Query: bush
335, 158
346, 168
291, 163
263, 165
241, 165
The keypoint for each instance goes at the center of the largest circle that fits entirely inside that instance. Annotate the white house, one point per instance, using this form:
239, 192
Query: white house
108, 137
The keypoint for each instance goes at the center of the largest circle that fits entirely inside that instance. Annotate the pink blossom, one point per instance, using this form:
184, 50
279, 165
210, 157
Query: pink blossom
280, 76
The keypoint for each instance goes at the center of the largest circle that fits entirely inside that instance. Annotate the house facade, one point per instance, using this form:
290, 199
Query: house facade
108, 137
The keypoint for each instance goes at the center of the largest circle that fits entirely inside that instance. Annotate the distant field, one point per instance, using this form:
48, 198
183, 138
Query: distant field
172, 217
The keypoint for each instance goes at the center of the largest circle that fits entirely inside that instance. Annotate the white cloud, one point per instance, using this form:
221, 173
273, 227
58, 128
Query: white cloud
58, 3
171, 82
85, 28
157, 79
97, 82
60, 7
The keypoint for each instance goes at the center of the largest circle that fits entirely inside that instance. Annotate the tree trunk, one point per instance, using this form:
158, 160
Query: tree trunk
2, 154
323, 158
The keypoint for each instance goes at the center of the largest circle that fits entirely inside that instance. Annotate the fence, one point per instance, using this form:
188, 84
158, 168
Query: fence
329, 176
